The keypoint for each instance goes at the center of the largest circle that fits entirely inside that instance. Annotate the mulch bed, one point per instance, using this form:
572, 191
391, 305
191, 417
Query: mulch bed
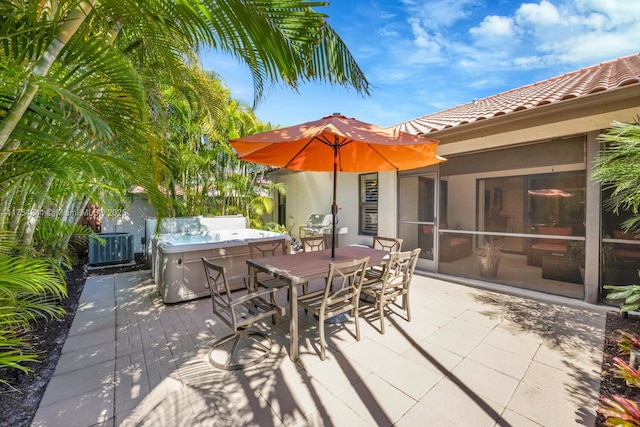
18, 404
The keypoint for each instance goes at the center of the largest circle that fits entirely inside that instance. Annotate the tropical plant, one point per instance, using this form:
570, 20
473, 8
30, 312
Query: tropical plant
619, 411
630, 294
274, 226
52, 240
85, 75
79, 124
627, 342
80, 101
205, 177
576, 250
30, 291
488, 255
616, 167
625, 371
283, 40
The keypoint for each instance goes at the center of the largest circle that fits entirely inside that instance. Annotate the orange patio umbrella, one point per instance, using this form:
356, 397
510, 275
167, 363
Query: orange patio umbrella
337, 143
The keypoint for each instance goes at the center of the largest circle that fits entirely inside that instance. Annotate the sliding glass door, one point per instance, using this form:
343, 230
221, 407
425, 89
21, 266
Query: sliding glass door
417, 195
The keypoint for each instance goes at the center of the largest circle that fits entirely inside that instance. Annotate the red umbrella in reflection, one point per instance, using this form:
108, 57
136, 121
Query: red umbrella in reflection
549, 192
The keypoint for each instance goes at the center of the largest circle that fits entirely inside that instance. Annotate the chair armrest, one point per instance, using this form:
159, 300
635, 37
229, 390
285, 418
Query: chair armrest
251, 296
246, 279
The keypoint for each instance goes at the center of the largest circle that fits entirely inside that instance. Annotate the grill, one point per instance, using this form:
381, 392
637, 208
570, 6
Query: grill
317, 224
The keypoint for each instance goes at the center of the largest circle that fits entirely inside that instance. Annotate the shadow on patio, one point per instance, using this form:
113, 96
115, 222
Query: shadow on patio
468, 357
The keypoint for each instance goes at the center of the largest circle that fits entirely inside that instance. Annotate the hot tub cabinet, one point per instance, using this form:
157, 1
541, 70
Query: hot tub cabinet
177, 264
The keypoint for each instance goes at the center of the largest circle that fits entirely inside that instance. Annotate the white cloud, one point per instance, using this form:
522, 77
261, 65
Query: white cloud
528, 62
422, 39
387, 32
591, 48
553, 35
439, 13
443, 63
577, 32
494, 26
617, 12
544, 14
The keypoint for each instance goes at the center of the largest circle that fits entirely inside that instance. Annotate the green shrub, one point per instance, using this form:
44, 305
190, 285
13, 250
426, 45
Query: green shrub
30, 291
630, 294
274, 226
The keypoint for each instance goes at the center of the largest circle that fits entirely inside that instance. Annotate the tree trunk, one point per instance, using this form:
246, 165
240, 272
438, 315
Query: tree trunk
16, 215
67, 29
34, 213
73, 219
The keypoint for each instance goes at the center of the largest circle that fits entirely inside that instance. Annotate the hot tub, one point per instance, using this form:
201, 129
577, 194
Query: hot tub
178, 270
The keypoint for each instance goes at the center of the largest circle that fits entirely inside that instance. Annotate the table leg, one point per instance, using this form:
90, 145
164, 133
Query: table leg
293, 323
251, 282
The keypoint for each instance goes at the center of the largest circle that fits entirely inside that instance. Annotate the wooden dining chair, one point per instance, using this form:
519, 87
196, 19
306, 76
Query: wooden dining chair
267, 249
341, 294
264, 250
395, 282
311, 244
391, 244
240, 312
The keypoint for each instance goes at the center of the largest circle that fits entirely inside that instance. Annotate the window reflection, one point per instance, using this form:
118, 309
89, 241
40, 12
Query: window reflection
550, 208
620, 248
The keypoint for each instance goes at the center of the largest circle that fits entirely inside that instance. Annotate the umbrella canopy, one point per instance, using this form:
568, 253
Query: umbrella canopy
337, 143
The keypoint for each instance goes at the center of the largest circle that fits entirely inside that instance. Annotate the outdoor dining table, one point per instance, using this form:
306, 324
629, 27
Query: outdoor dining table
297, 269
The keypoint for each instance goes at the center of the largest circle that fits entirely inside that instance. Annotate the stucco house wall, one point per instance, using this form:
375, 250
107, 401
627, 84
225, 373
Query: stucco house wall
311, 192
129, 219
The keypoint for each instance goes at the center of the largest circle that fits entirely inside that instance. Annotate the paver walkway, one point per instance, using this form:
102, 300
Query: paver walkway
469, 357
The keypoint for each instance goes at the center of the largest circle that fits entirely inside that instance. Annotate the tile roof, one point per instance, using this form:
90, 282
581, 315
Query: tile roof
602, 77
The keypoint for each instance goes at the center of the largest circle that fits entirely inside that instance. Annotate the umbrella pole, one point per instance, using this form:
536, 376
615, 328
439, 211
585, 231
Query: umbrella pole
334, 205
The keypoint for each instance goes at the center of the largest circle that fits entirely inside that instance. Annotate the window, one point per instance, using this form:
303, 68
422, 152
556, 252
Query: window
368, 221
282, 208
512, 198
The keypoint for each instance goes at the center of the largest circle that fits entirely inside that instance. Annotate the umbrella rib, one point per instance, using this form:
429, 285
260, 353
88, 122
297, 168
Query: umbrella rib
322, 139
299, 152
382, 157
334, 146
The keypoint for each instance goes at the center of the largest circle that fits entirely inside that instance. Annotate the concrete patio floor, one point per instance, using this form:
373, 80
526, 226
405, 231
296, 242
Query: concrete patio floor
469, 357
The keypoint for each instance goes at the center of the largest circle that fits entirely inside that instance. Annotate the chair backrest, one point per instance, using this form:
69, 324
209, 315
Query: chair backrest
400, 269
555, 231
219, 289
391, 244
311, 244
344, 283
217, 280
269, 248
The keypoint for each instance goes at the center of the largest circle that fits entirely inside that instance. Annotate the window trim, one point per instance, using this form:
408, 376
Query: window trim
366, 204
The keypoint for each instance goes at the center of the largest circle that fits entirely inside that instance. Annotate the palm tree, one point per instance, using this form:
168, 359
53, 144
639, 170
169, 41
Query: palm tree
281, 40
204, 176
99, 67
31, 289
617, 168
80, 85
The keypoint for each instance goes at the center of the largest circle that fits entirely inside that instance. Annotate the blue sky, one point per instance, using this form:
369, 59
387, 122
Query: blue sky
423, 56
